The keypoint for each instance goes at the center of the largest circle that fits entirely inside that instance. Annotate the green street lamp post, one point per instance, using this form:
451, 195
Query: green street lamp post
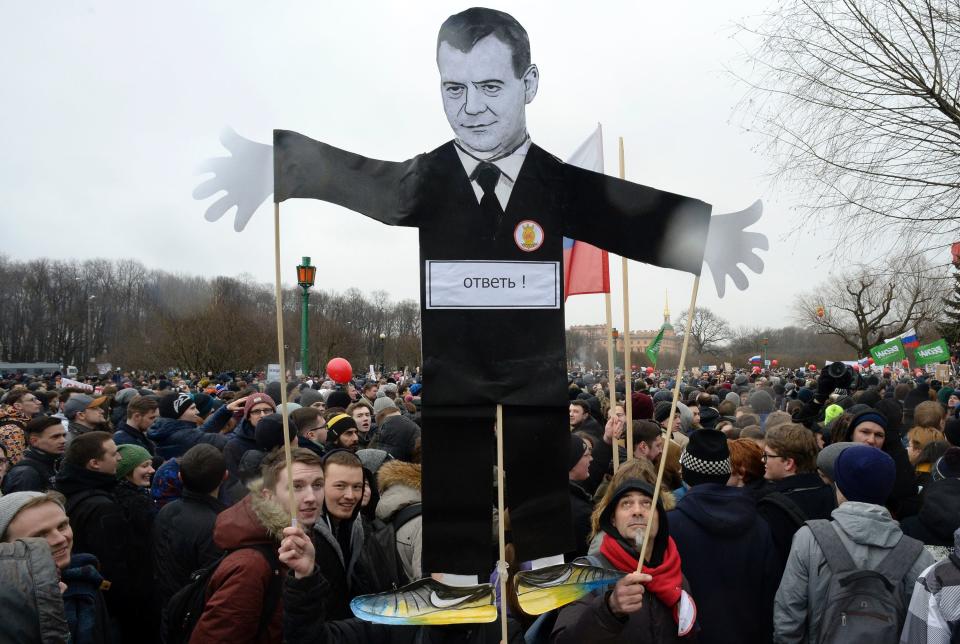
305, 277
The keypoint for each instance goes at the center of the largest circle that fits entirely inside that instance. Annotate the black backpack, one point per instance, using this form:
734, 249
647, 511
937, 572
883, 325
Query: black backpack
863, 606
183, 610
379, 560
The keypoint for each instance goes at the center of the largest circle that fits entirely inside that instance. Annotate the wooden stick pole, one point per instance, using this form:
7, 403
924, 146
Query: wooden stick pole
611, 385
673, 411
501, 530
627, 360
283, 372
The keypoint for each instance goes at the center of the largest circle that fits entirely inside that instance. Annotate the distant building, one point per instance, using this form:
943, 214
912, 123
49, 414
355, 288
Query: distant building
596, 335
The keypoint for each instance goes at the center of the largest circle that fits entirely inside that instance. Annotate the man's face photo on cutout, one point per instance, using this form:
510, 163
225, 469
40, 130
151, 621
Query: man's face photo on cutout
483, 97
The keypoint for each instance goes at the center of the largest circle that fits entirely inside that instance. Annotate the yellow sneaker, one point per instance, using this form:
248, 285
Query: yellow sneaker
427, 602
540, 591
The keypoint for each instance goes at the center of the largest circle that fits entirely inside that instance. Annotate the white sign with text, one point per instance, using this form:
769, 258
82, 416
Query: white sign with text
462, 284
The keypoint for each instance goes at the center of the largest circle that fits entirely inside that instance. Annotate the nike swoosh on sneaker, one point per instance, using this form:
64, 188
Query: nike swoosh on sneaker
446, 603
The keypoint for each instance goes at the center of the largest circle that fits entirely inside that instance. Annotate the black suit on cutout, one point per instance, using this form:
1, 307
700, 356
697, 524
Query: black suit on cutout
476, 358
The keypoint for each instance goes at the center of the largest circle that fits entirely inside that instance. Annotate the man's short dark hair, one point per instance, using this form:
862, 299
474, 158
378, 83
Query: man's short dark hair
85, 447
38, 425
341, 457
646, 431
464, 30
142, 405
582, 404
304, 418
15, 396
202, 468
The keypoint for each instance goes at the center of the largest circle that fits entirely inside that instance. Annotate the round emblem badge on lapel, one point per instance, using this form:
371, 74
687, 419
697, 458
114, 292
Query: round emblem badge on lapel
528, 235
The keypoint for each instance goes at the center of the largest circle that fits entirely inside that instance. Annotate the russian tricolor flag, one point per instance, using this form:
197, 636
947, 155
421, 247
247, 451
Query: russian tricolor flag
755, 360
908, 338
586, 268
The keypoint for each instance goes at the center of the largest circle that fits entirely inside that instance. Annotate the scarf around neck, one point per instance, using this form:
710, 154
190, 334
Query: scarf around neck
667, 580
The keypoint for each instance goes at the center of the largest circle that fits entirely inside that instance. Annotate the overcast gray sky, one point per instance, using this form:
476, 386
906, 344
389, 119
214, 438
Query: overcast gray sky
109, 107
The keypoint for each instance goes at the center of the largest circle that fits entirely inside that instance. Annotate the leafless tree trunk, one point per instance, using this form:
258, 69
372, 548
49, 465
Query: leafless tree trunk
866, 307
708, 331
858, 100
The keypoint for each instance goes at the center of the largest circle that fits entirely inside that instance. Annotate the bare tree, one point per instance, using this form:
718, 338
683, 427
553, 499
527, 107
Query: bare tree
859, 102
708, 331
866, 307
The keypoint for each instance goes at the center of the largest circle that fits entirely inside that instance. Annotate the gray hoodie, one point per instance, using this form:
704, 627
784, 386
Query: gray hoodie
869, 533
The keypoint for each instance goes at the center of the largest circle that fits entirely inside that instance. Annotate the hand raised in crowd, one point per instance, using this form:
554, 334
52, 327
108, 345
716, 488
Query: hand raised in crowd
613, 429
237, 405
627, 596
297, 552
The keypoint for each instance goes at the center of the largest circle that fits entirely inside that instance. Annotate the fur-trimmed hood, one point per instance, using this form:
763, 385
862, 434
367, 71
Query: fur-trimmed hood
253, 520
398, 473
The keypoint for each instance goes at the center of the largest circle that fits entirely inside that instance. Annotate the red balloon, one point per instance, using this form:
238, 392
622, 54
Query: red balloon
812, 367
649, 370
756, 370
905, 363
774, 363
340, 370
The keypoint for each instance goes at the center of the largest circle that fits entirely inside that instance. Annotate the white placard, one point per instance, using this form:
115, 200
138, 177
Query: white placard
69, 383
493, 285
273, 373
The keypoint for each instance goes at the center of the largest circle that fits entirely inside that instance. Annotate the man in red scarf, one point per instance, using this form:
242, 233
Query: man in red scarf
649, 606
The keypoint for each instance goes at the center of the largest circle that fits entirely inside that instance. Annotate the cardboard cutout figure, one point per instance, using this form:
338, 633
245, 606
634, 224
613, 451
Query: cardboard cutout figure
491, 208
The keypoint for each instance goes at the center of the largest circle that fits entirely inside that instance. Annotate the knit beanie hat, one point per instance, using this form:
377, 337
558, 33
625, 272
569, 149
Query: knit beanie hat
869, 415
124, 396
257, 399
577, 448
173, 405
661, 412
827, 458
309, 396
952, 431
865, 474
831, 413
204, 403
130, 457
269, 432
761, 402
805, 395
706, 458
339, 399
337, 425
642, 406
733, 397
10, 505
947, 466
383, 403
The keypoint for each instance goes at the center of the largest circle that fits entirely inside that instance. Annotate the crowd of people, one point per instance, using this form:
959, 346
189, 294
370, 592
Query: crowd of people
794, 506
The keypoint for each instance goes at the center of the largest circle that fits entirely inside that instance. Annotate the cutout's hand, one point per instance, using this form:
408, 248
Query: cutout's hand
246, 176
729, 244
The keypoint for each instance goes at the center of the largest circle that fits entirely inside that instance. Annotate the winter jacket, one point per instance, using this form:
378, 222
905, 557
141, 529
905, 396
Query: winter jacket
174, 437
305, 622
238, 588
939, 515
75, 429
589, 619
84, 603
35, 472
868, 532
934, 614
30, 600
399, 484
100, 528
239, 443
127, 435
581, 507
398, 435
12, 437
340, 572
183, 541
729, 558
140, 511
813, 498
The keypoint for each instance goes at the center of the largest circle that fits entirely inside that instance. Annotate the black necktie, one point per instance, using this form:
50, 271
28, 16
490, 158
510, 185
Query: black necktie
487, 175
